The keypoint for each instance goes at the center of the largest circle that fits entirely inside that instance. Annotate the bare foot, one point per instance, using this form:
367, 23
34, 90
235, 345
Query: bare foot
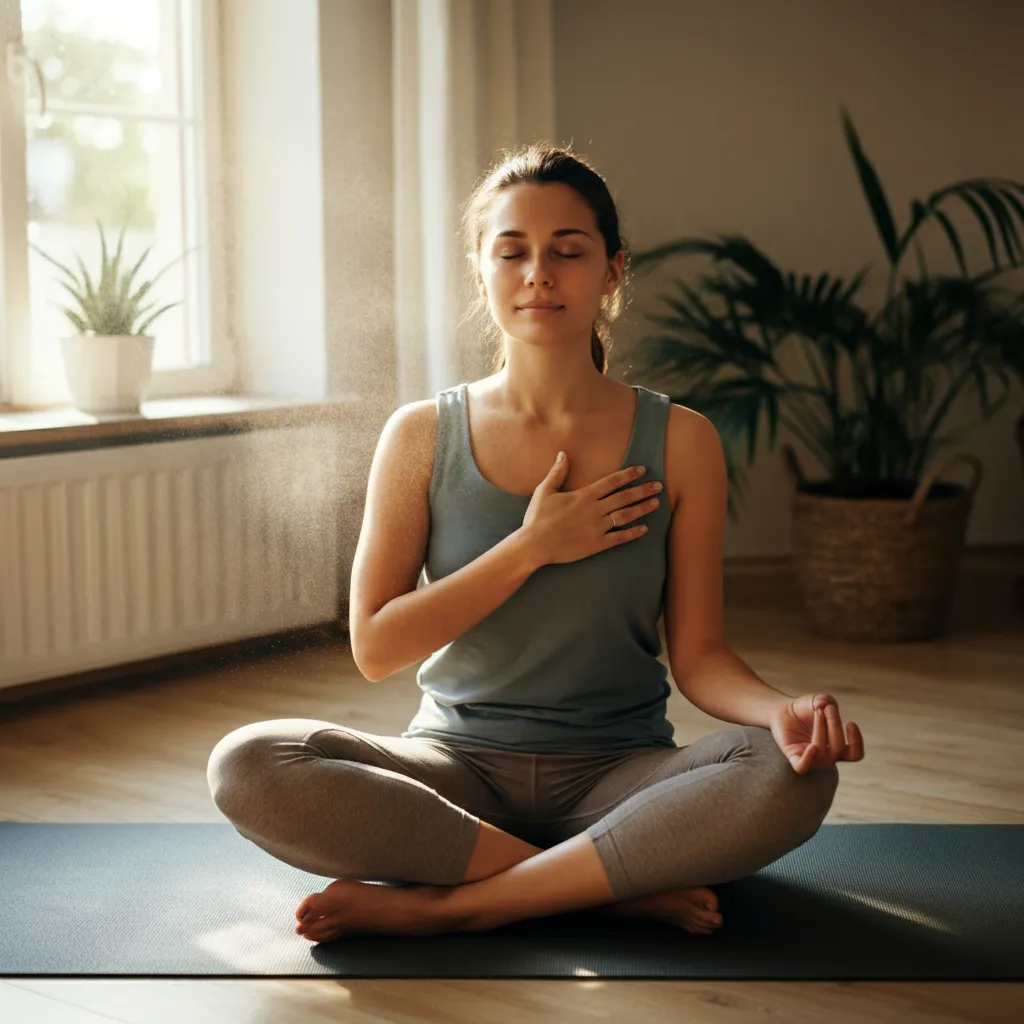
349, 907
695, 909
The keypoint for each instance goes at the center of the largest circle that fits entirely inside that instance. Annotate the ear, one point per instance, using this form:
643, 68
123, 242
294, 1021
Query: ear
615, 270
479, 277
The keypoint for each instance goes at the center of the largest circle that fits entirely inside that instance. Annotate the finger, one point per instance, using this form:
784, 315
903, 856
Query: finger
836, 739
811, 755
825, 752
819, 737
855, 750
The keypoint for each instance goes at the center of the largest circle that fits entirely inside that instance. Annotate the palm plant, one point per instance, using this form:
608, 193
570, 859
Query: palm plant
881, 384
108, 306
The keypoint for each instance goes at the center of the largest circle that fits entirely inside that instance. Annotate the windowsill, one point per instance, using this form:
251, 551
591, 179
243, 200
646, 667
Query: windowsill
62, 428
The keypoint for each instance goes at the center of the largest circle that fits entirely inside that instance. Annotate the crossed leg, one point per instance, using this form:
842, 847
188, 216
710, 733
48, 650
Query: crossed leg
628, 862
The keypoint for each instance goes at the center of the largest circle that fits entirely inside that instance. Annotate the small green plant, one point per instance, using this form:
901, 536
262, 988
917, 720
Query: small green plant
109, 307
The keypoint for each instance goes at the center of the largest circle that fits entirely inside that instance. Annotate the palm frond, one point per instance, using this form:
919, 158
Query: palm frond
872, 188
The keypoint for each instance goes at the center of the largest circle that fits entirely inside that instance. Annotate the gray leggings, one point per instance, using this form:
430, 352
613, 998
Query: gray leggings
334, 801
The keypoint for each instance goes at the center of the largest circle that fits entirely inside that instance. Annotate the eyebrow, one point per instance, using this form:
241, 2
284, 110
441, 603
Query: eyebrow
555, 234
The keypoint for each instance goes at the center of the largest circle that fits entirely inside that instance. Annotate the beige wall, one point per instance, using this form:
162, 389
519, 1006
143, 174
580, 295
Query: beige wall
274, 189
724, 116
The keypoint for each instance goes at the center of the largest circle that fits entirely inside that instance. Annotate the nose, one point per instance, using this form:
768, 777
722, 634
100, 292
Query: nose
539, 270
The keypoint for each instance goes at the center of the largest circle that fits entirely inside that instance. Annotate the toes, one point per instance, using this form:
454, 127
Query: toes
314, 932
708, 918
712, 918
701, 897
697, 927
708, 927
710, 901
312, 918
305, 907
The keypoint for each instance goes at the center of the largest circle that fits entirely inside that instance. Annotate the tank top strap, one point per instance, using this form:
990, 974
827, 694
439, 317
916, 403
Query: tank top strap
647, 445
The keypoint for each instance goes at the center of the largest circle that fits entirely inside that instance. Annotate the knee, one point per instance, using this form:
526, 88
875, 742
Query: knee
812, 791
821, 786
222, 766
237, 763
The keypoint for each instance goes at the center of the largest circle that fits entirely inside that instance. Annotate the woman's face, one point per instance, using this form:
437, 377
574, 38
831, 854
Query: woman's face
557, 255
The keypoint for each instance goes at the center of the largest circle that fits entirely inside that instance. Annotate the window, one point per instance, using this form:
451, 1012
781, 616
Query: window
109, 111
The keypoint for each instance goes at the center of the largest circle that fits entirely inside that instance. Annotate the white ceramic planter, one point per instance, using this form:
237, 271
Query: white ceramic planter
108, 373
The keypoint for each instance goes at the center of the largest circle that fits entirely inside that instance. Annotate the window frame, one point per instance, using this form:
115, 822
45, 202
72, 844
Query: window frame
204, 205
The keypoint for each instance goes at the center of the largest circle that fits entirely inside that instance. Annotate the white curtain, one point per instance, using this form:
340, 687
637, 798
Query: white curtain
470, 77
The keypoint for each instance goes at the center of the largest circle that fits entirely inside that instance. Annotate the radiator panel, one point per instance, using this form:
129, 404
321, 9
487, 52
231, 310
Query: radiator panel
123, 553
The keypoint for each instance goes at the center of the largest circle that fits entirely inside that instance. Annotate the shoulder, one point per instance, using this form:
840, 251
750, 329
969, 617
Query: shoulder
689, 427
418, 422
693, 451
417, 419
411, 432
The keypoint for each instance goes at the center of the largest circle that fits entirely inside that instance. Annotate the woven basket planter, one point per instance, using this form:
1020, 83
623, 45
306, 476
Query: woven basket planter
879, 570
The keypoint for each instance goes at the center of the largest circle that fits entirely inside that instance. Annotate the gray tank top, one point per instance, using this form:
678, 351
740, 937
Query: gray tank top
569, 662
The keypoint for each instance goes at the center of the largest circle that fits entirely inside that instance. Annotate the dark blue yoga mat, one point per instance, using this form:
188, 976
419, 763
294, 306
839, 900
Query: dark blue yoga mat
870, 902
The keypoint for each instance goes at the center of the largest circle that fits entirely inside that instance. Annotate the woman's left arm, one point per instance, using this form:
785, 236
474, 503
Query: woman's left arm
706, 672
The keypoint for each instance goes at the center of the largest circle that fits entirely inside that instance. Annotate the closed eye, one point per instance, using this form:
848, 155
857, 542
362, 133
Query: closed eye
564, 255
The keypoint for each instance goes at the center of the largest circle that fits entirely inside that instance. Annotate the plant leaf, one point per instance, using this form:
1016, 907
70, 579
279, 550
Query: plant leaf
982, 218
141, 329
75, 319
873, 191
954, 239
1011, 242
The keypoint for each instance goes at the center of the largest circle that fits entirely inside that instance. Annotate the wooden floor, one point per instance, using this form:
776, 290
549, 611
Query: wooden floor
942, 722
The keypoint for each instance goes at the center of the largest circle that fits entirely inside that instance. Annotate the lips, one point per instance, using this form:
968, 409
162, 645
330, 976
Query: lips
541, 305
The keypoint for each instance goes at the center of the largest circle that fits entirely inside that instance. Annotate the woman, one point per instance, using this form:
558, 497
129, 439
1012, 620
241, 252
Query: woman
540, 774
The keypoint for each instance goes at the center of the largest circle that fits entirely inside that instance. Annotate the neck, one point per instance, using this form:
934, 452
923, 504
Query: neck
548, 386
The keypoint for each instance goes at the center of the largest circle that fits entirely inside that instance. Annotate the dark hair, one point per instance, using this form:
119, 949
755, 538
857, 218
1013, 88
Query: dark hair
541, 163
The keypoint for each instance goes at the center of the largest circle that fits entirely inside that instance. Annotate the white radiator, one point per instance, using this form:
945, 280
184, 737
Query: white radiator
123, 553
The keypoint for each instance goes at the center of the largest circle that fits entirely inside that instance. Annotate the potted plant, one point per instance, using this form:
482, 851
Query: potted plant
109, 361
877, 540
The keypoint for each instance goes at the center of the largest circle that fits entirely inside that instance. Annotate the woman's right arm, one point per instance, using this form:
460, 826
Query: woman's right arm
392, 624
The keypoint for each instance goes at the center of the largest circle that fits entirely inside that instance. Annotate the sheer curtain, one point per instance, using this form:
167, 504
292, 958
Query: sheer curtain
469, 78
